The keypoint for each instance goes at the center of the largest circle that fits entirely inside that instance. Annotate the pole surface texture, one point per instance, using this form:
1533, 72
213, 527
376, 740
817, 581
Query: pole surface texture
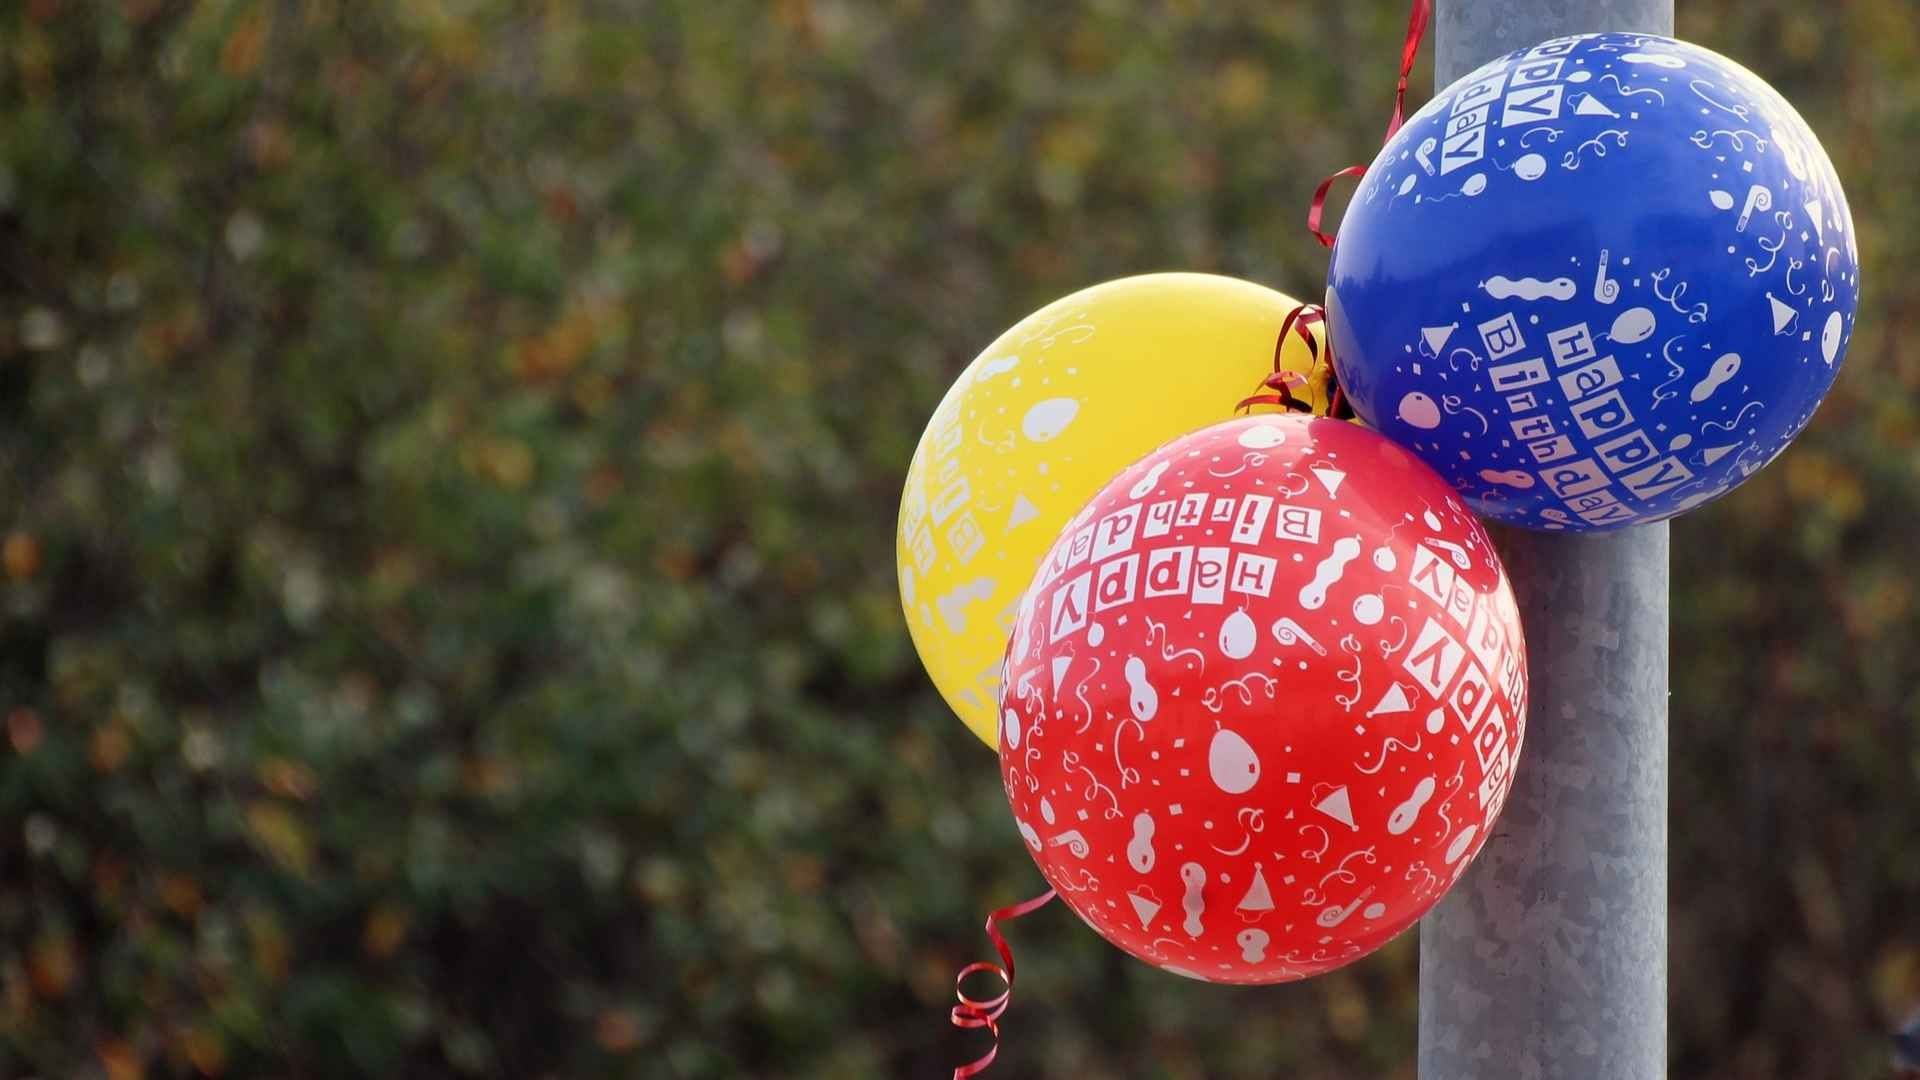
1549, 959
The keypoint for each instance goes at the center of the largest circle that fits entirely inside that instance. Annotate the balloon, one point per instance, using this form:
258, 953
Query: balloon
1645, 305
1032, 428
1263, 700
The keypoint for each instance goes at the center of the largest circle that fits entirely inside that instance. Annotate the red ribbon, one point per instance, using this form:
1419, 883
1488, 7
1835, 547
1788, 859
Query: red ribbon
1416, 29
1319, 206
1282, 382
971, 1013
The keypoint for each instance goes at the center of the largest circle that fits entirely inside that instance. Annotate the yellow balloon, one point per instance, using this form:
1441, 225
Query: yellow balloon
1040, 421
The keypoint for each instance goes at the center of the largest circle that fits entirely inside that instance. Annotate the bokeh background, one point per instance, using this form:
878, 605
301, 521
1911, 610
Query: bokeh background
448, 459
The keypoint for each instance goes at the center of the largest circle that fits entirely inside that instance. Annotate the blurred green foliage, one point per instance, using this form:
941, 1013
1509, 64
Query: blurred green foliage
448, 457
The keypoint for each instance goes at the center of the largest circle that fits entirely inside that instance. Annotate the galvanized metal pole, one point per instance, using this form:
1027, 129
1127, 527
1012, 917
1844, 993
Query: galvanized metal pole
1549, 959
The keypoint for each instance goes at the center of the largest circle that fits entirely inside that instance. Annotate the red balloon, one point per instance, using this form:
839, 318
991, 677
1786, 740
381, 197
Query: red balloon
1263, 700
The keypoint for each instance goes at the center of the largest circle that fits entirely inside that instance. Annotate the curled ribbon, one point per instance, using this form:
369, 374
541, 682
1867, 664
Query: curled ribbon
1410, 48
985, 1013
1282, 382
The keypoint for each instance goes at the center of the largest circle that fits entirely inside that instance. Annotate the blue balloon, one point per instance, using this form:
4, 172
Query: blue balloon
1595, 283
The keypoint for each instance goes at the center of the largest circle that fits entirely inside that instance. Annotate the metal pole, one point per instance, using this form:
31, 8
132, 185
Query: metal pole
1549, 959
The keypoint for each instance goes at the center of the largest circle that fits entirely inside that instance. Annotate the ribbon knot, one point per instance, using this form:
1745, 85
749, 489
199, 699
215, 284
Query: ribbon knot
1280, 385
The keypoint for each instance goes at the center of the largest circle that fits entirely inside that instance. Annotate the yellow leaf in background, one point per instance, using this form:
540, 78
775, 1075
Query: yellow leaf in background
206, 1050
1089, 50
52, 965
1818, 479
1802, 35
601, 485
15, 993
276, 830
109, 747
120, 1059
1347, 1011
1070, 143
805, 874
385, 930
33, 58
508, 463
109, 877
593, 393
23, 730
617, 1030
20, 555
558, 349
287, 778
800, 572
181, 895
1241, 86
488, 776
1821, 911
795, 16
166, 336
676, 563
269, 143
240, 56
267, 941
1896, 979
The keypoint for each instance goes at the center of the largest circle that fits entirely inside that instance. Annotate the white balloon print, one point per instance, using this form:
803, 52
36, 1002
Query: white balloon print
1513, 478
999, 365
1142, 698
1588, 105
1530, 167
1368, 609
1419, 410
1238, 635
1145, 485
1047, 419
1408, 812
1231, 762
1028, 834
1632, 326
1140, 847
1460, 844
1424, 155
1194, 903
1790, 151
1262, 437
1723, 369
